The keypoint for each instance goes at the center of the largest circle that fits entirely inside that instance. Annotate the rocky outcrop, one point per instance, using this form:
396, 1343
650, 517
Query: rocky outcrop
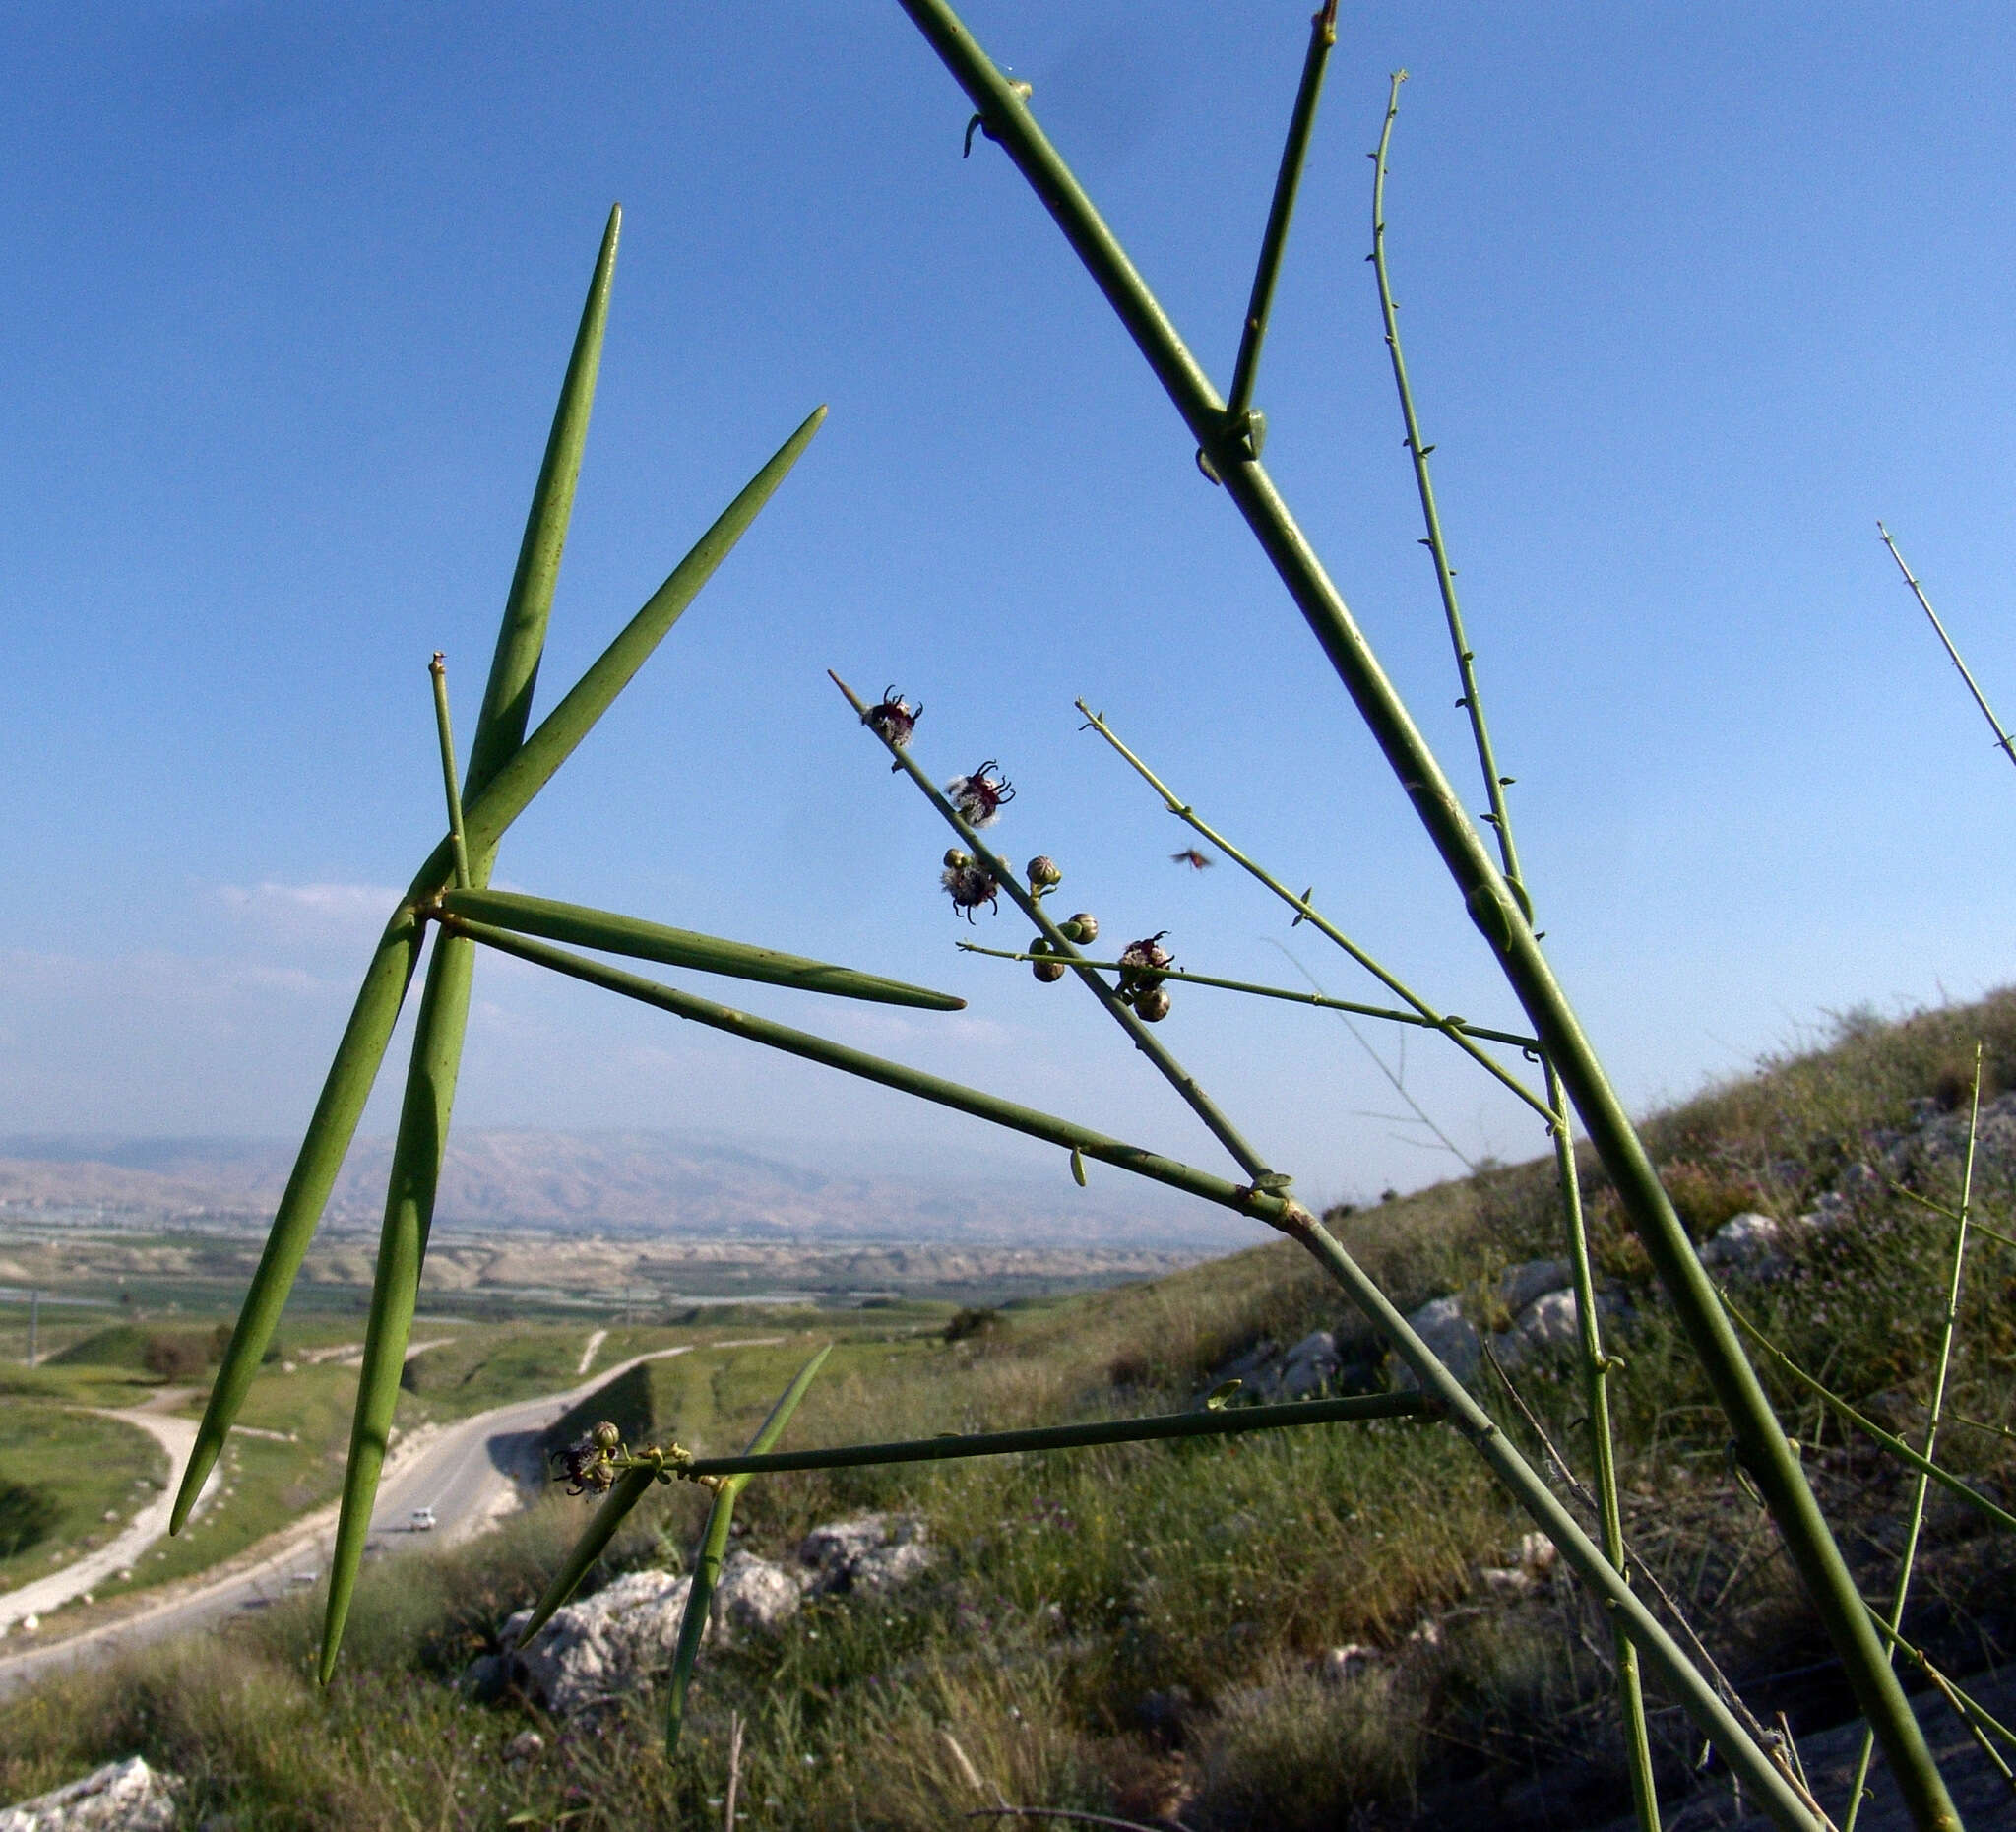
609, 1645
121, 1796
867, 1553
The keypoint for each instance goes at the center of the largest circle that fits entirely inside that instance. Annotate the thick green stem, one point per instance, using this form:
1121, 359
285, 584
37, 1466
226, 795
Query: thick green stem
1171, 1071
1934, 1408
1760, 1440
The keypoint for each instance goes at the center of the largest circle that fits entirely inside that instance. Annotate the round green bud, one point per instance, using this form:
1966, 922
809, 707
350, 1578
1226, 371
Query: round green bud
1044, 872
955, 860
1082, 928
1048, 971
1151, 1004
606, 1436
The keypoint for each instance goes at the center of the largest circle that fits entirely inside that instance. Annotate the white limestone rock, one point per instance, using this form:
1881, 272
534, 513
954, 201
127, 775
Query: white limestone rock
121, 1796
867, 1553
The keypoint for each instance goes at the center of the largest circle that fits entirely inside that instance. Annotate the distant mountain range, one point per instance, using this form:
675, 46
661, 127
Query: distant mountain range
614, 1182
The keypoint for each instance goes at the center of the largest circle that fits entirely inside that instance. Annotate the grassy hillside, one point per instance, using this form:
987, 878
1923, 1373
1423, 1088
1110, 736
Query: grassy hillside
1142, 1630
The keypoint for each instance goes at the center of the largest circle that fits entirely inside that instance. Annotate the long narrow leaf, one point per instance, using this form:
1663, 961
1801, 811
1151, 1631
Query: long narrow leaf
1271, 1209
422, 1139
357, 1058
417, 1154
629, 1489
522, 636
338, 1109
486, 815
531, 766
714, 1544
683, 947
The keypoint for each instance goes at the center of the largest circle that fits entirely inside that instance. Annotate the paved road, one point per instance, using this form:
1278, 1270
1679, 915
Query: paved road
472, 1473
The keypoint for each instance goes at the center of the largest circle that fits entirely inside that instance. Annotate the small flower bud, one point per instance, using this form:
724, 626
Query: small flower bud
955, 860
1043, 873
1151, 1004
1048, 971
1082, 928
605, 1436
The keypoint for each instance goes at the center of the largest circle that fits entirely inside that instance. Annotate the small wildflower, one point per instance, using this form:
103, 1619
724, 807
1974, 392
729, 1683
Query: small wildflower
584, 1467
1044, 874
1141, 959
1082, 928
979, 798
970, 886
894, 719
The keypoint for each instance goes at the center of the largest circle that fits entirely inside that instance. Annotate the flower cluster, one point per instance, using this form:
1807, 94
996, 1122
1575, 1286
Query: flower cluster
894, 719
1141, 977
980, 797
589, 1463
969, 884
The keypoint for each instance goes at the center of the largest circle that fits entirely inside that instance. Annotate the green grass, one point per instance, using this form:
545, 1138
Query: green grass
1137, 1630
80, 1468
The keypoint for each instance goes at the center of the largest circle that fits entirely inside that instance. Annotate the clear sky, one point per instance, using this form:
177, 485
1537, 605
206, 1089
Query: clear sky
1692, 296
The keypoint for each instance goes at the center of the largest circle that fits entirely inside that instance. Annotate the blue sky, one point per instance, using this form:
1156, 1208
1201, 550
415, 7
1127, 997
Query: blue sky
1691, 297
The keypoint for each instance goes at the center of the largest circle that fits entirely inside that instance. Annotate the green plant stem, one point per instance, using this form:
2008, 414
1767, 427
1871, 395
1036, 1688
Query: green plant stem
1596, 1364
1759, 1438
1259, 1204
1319, 999
1171, 1071
438, 669
1596, 1371
1230, 1421
682, 947
1526, 1485
1455, 1028
1445, 574
1279, 213
1967, 1706
486, 816
2003, 742
1895, 1445
1942, 1366
629, 1489
714, 1542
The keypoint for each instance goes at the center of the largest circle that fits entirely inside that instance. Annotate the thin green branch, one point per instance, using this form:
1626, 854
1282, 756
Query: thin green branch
1595, 1372
1171, 1071
1455, 1028
1319, 999
1498, 916
682, 947
1224, 1421
1242, 425
1868, 1428
1942, 1366
1445, 574
2003, 741
438, 669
